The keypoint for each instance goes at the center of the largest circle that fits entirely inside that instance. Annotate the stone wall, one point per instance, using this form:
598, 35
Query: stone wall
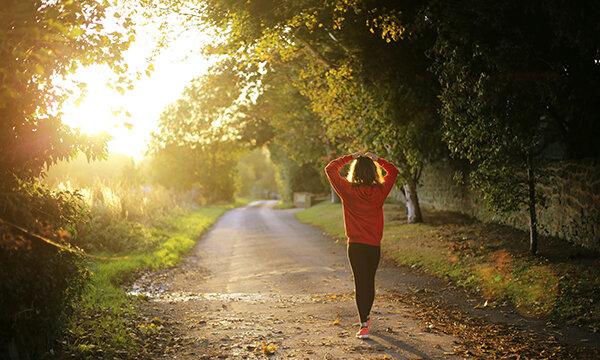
571, 188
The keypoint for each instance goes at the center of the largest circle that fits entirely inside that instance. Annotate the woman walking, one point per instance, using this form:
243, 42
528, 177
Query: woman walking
363, 194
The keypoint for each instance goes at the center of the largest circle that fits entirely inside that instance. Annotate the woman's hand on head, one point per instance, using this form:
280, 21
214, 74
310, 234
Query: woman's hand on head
358, 154
372, 156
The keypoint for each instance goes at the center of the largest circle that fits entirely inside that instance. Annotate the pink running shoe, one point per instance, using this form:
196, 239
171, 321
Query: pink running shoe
363, 333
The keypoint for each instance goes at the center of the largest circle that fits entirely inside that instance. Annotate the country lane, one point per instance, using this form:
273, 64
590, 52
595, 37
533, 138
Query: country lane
261, 284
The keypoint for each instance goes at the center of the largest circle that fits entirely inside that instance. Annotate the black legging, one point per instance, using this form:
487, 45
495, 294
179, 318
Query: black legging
364, 260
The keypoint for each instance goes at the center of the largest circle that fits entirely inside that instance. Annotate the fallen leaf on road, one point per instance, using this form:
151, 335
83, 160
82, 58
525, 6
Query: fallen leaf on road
335, 322
267, 349
480, 306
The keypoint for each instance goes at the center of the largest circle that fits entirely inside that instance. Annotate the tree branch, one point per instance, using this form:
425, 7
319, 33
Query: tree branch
315, 53
60, 246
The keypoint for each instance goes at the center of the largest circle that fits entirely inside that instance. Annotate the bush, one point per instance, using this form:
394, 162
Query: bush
106, 234
38, 281
38, 286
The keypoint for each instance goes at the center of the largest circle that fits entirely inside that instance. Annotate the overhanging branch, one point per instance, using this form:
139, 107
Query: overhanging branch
315, 53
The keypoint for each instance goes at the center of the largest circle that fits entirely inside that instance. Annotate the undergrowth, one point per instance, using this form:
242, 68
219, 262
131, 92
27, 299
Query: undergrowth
489, 259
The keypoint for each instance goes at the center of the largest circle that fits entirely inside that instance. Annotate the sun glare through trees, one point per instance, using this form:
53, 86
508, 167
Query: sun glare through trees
129, 113
142, 140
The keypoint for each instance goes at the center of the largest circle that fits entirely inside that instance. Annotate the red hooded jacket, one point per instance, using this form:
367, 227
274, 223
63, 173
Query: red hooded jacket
363, 205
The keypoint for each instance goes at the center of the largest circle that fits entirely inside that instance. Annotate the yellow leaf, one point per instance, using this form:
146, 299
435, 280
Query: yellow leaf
335, 322
265, 348
271, 349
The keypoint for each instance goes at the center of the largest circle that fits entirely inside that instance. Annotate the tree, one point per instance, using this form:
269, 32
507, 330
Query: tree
281, 118
195, 146
345, 71
40, 43
509, 92
256, 175
293, 176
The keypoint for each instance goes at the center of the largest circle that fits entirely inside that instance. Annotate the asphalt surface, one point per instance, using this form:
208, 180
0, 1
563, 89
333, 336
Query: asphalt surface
261, 284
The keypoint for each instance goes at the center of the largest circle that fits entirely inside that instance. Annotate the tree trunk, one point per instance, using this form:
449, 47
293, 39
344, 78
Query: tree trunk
335, 198
533, 235
412, 204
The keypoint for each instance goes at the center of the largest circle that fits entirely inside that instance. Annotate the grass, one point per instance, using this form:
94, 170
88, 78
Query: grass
104, 322
562, 281
281, 205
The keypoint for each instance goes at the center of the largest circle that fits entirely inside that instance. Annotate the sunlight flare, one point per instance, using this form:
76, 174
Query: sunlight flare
130, 116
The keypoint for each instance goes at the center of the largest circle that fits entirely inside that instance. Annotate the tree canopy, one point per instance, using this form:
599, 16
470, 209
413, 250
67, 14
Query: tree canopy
195, 146
514, 94
40, 43
359, 70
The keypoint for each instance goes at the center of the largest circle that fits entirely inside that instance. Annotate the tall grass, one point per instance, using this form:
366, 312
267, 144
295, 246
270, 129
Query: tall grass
122, 200
118, 213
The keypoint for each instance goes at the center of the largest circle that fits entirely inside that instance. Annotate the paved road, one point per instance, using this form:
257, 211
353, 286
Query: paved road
262, 282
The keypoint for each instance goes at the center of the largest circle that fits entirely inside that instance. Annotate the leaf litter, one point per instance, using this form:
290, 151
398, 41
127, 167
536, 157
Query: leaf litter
482, 339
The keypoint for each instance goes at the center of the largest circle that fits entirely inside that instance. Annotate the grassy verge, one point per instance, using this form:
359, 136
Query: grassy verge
563, 281
284, 205
104, 323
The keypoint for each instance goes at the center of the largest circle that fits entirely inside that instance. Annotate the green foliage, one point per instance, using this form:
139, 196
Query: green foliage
280, 117
256, 175
280, 114
104, 233
38, 281
41, 283
41, 42
114, 213
528, 68
504, 82
511, 86
503, 104
194, 146
38, 287
337, 76
81, 173
296, 177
